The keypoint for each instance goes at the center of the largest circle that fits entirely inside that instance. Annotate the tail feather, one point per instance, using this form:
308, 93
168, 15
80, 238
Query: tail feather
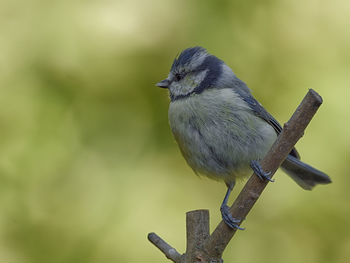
303, 174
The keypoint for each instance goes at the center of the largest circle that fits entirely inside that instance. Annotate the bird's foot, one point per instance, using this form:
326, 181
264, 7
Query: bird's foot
255, 165
228, 219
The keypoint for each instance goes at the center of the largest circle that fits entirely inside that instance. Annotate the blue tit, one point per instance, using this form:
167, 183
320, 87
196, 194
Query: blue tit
221, 129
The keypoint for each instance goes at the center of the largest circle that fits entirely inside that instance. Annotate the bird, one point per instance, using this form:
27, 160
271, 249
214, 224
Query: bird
222, 131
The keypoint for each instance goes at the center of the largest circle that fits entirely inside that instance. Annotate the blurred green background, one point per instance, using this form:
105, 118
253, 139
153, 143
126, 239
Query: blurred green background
88, 164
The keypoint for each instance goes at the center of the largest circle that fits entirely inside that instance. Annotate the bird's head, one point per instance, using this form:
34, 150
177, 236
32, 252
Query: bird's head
192, 72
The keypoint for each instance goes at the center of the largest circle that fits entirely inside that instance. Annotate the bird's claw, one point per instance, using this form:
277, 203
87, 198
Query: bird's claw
228, 219
255, 165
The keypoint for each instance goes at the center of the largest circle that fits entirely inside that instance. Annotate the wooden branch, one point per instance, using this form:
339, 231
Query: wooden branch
204, 248
163, 246
197, 229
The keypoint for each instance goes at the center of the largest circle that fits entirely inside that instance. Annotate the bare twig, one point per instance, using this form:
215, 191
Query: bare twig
204, 248
163, 246
197, 224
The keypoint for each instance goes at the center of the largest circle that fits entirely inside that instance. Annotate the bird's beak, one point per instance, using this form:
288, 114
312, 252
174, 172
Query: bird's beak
164, 84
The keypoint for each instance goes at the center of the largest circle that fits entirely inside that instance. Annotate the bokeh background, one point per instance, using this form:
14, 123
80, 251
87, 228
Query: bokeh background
88, 165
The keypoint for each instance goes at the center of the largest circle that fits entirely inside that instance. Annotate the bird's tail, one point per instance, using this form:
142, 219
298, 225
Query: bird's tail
303, 174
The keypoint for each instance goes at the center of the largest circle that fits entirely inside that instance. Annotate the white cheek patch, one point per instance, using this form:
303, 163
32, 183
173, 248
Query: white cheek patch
188, 84
200, 76
177, 89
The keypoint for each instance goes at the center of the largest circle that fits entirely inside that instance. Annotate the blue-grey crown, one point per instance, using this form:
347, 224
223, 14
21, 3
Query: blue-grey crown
186, 56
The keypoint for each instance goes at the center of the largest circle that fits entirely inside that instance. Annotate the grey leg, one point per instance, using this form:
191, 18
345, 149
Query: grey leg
225, 210
255, 165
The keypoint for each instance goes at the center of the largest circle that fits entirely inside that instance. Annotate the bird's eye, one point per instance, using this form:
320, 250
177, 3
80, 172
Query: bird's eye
178, 76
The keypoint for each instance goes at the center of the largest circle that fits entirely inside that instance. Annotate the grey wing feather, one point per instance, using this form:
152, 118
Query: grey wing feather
241, 88
303, 174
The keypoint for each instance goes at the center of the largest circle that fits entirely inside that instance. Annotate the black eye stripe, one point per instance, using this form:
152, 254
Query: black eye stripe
178, 76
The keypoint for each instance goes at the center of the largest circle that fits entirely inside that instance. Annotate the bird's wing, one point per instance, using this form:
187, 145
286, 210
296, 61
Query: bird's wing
242, 90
